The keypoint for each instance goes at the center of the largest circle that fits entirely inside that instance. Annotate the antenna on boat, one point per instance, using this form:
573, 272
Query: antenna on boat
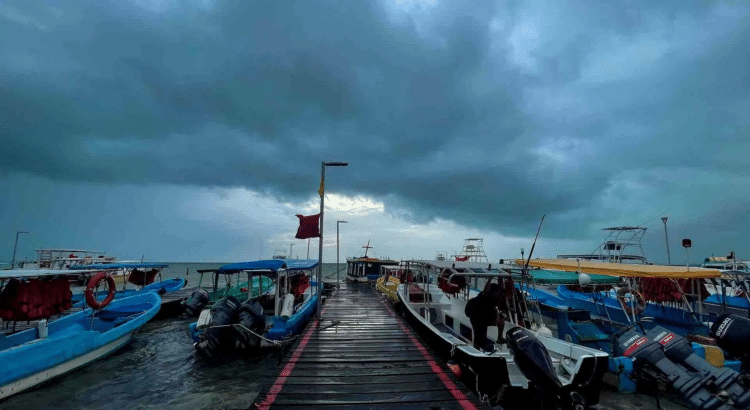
367, 247
540, 328
526, 266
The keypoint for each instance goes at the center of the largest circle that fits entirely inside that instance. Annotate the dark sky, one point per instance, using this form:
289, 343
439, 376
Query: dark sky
195, 130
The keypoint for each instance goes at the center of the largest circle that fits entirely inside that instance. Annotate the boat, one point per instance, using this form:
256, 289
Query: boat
644, 352
52, 340
247, 326
205, 297
391, 276
472, 251
623, 244
60, 258
142, 276
366, 269
518, 363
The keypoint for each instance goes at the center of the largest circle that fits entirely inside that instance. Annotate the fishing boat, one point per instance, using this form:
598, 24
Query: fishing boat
471, 251
365, 268
270, 320
42, 338
205, 297
623, 244
517, 363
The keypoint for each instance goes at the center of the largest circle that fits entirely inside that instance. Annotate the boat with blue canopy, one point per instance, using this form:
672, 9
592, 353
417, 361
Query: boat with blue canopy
42, 337
270, 319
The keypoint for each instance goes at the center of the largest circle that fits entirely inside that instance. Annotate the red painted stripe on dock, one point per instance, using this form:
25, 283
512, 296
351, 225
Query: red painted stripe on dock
457, 394
279, 383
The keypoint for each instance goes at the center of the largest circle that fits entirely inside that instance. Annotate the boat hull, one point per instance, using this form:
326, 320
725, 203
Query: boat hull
72, 342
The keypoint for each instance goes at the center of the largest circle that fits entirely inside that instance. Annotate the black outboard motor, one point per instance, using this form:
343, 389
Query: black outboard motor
195, 303
252, 319
653, 365
732, 333
534, 362
680, 350
220, 333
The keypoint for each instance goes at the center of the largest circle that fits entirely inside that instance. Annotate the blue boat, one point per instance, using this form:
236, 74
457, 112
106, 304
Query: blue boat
139, 275
645, 347
50, 348
268, 320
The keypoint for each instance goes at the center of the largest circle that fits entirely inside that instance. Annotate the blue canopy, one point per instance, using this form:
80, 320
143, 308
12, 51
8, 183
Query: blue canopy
269, 265
120, 266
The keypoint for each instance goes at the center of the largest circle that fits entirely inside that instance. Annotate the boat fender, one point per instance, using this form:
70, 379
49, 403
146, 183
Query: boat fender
640, 303
93, 284
287, 305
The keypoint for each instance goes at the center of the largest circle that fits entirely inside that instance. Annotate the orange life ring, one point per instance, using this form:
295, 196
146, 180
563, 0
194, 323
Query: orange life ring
93, 284
640, 302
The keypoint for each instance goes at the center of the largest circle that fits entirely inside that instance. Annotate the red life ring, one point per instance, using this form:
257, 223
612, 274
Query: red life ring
93, 284
640, 302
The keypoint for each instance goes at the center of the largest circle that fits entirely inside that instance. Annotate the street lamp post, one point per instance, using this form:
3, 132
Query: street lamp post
321, 191
666, 238
338, 269
15, 247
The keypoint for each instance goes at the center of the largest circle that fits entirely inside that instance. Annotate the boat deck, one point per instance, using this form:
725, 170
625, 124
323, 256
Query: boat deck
10, 327
362, 355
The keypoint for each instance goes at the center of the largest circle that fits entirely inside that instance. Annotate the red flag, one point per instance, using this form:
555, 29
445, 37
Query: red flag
308, 226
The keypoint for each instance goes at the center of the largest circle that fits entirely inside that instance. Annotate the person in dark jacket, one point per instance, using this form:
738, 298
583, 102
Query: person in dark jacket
483, 311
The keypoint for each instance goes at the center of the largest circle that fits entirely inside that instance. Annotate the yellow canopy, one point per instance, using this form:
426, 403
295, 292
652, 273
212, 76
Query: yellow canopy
621, 269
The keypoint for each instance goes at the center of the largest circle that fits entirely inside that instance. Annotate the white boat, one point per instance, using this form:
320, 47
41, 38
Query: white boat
528, 365
65, 259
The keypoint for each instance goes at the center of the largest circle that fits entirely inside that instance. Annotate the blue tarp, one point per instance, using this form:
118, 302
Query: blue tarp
120, 266
272, 265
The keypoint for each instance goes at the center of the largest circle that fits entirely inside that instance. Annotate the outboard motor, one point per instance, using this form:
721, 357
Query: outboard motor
219, 333
252, 319
653, 365
534, 362
680, 350
732, 333
195, 303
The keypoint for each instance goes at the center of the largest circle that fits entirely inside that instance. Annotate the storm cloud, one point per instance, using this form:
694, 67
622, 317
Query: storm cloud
485, 114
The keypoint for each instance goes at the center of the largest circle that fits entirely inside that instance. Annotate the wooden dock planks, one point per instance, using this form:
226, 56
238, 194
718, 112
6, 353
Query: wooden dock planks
361, 356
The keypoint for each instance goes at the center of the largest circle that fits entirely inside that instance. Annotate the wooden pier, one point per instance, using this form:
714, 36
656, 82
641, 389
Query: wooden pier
362, 355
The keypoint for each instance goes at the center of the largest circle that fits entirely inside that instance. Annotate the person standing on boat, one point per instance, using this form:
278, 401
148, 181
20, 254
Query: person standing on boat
484, 311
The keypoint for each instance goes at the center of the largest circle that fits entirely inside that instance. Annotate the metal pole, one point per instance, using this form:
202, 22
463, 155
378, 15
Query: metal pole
666, 238
320, 246
320, 243
308, 248
15, 247
338, 269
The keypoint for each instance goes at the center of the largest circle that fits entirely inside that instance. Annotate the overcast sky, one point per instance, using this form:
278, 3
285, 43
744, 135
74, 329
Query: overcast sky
195, 130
